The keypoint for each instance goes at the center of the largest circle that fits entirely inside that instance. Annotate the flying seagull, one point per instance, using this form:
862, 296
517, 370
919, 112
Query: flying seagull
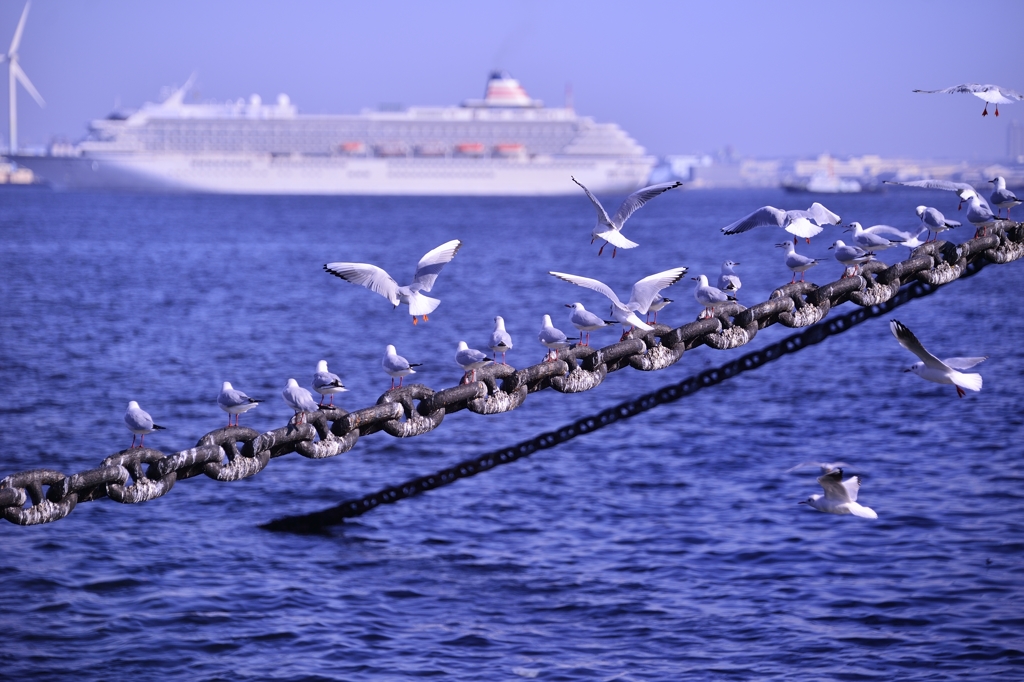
946, 371
640, 299
803, 224
840, 496
610, 229
990, 94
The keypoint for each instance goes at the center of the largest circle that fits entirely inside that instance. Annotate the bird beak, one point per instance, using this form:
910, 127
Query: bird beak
802, 502
567, 305
694, 279
905, 371
831, 247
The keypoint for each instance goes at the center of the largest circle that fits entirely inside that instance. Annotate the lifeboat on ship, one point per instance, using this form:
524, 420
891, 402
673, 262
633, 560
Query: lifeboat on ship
470, 149
512, 150
352, 148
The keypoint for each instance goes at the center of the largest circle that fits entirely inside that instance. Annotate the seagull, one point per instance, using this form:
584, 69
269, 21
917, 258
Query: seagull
470, 360
840, 496
851, 256
500, 341
659, 303
991, 94
729, 281
377, 280
586, 321
904, 238
299, 399
870, 241
610, 229
946, 371
552, 339
944, 185
978, 212
934, 221
234, 402
1002, 197
796, 262
804, 224
326, 383
709, 296
640, 298
396, 366
139, 423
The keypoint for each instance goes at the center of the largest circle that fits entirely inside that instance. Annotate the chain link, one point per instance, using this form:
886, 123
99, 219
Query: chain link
415, 409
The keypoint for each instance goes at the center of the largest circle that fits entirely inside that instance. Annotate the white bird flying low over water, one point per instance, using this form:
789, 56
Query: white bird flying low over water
298, 398
869, 240
396, 366
840, 496
948, 371
709, 296
470, 360
803, 224
586, 321
326, 383
640, 299
610, 229
377, 280
728, 280
1002, 197
500, 341
796, 262
933, 220
990, 94
851, 256
553, 339
139, 423
234, 402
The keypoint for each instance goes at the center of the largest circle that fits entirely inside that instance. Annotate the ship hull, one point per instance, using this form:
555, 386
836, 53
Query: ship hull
338, 175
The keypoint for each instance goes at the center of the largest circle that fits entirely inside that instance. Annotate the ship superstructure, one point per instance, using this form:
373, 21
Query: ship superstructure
503, 144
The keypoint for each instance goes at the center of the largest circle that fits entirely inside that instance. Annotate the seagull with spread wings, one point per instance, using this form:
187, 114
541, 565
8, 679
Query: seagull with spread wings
840, 496
990, 94
377, 280
640, 299
948, 371
610, 229
803, 224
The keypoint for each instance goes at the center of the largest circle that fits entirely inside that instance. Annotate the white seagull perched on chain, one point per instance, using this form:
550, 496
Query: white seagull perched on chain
803, 224
870, 240
978, 213
377, 280
948, 371
139, 423
470, 359
840, 496
234, 402
551, 338
657, 304
850, 256
326, 383
728, 280
396, 366
933, 220
709, 296
640, 299
795, 261
500, 341
586, 321
990, 94
299, 399
1002, 197
610, 229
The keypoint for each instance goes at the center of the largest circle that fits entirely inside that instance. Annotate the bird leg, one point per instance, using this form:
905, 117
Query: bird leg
426, 319
414, 319
985, 112
613, 252
133, 442
959, 391
599, 251
997, 110
793, 278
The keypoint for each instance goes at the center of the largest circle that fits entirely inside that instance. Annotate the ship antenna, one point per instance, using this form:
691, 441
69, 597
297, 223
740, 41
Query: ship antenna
16, 75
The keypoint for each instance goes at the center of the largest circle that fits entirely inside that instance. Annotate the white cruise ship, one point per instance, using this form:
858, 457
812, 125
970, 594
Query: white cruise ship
503, 144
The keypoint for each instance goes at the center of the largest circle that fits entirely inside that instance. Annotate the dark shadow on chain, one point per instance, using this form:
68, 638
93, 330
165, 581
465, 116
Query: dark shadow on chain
318, 522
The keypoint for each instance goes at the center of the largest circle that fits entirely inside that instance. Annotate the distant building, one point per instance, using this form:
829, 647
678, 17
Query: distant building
1015, 142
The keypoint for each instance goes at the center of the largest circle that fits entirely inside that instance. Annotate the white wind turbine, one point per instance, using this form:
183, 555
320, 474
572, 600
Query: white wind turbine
16, 74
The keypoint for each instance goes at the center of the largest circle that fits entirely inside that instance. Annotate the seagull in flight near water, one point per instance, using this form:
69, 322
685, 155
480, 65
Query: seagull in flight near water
990, 94
640, 299
948, 371
840, 496
610, 229
377, 280
803, 224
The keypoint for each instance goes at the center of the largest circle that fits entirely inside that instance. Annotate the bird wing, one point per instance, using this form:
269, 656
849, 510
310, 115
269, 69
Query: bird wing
960, 364
370, 276
889, 232
646, 290
802, 226
602, 215
945, 185
835, 490
965, 88
825, 467
615, 238
910, 342
852, 485
822, 216
638, 199
588, 283
395, 363
1002, 196
432, 262
766, 215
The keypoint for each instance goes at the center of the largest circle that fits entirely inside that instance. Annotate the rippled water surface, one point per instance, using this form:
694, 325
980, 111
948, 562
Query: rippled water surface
668, 546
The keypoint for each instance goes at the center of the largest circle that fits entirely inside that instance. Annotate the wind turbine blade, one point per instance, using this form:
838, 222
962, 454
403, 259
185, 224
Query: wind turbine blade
20, 75
17, 32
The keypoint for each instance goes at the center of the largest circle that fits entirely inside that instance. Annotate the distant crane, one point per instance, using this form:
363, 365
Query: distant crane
16, 74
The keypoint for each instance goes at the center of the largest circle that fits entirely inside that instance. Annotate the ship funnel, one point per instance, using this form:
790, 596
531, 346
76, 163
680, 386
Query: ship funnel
503, 91
17, 75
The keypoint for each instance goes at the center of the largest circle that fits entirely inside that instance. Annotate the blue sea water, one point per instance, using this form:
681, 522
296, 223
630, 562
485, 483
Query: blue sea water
668, 546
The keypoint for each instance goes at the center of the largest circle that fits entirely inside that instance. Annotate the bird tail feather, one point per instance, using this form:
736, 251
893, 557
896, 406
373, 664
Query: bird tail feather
615, 238
421, 304
972, 382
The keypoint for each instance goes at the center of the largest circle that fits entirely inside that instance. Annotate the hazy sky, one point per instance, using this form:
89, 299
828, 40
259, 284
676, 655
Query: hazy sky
770, 78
